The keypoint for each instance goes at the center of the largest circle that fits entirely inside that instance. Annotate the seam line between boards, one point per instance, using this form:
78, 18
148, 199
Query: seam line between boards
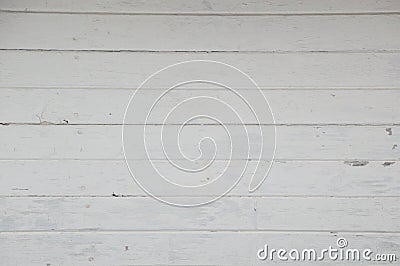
202, 13
216, 231
270, 89
366, 51
200, 196
317, 125
277, 160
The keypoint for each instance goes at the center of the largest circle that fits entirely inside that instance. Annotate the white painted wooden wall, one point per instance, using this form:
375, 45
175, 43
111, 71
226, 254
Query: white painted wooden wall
330, 69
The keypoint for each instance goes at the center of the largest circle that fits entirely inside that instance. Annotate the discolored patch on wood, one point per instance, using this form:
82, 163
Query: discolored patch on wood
356, 163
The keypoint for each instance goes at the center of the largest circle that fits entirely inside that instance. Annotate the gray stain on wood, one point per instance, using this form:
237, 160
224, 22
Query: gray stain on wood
387, 163
356, 163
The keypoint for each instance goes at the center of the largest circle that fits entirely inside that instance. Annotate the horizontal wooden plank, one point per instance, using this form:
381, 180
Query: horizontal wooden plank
205, 7
249, 213
151, 248
129, 70
293, 142
101, 106
287, 178
175, 33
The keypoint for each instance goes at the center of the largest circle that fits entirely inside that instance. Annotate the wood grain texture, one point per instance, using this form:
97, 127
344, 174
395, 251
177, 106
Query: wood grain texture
293, 142
205, 7
171, 248
107, 106
129, 70
57, 178
173, 33
330, 69
233, 213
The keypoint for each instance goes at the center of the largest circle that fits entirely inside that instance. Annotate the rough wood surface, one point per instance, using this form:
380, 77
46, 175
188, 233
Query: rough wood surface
107, 106
330, 70
229, 213
129, 70
293, 142
110, 178
175, 33
177, 7
173, 248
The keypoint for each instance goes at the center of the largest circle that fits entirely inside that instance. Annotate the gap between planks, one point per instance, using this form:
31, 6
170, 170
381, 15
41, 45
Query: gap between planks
366, 51
45, 123
345, 160
214, 14
187, 231
262, 88
200, 196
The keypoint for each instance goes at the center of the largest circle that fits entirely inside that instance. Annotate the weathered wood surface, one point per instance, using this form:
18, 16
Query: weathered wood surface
129, 70
107, 106
177, 7
330, 69
293, 142
176, 33
229, 213
172, 248
287, 178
